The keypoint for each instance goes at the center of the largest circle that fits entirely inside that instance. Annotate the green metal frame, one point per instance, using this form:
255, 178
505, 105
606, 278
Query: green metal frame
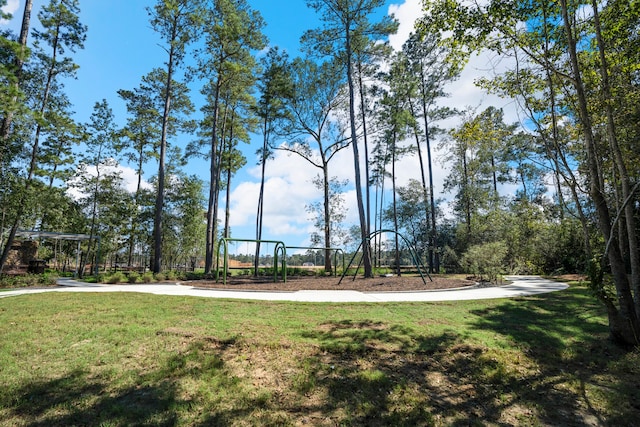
412, 251
279, 248
335, 255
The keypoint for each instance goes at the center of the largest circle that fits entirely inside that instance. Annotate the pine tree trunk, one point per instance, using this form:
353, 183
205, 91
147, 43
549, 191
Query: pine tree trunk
213, 176
5, 126
364, 232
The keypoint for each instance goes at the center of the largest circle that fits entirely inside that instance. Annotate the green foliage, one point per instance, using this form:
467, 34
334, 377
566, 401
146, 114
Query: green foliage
133, 277
147, 277
573, 83
485, 260
194, 275
600, 282
27, 281
184, 235
115, 278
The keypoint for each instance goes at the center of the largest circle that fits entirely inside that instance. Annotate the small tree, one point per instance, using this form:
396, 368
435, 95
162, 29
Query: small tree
327, 217
485, 260
346, 24
315, 136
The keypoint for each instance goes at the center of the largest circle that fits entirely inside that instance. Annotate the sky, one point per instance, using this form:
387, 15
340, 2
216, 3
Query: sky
121, 47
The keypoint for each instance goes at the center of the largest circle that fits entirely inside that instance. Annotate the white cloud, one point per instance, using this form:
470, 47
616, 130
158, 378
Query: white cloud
129, 177
288, 189
11, 7
407, 14
464, 93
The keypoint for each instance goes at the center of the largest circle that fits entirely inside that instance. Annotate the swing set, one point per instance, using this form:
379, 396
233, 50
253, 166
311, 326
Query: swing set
279, 249
279, 257
335, 255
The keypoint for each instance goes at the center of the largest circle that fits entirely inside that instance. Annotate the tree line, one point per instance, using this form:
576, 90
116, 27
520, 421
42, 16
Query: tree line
555, 192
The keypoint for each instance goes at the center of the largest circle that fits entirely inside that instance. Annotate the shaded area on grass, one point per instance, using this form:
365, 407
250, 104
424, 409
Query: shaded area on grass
157, 397
569, 344
556, 368
78, 399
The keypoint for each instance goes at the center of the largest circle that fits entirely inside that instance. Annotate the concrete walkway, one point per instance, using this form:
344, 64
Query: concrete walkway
520, 286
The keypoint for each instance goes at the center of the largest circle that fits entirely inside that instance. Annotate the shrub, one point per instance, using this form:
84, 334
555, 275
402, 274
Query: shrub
147, 277
134, 277
48, 279
486, 259
194, 276
25, 281
117, 277
160, 277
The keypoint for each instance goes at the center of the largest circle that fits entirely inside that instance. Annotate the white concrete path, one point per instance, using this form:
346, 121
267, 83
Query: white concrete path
520, 286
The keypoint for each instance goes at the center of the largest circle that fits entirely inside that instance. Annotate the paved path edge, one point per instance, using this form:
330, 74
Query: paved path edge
520, 286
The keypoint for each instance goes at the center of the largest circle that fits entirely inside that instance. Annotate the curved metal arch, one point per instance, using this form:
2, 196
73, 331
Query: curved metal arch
412, 251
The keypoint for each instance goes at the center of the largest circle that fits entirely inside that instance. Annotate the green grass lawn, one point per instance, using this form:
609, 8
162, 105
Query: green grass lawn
121, 359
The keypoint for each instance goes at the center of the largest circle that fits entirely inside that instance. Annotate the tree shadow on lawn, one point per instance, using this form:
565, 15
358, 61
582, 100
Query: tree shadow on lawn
564, 371
76, 399
157, 397
583, 378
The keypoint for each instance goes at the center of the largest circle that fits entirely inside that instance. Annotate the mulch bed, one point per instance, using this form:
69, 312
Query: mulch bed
298, 283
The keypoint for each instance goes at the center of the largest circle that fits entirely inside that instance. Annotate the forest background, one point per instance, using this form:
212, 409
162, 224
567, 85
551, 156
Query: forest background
544, 182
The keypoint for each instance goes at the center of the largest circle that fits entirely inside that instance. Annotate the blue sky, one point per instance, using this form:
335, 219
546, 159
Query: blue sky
121, 47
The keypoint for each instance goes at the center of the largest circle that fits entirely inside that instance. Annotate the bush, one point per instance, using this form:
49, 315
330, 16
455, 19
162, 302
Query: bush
160, 277
194, 276
134, 277
25, 281
147, 277
487, 259
48, 279
117, 277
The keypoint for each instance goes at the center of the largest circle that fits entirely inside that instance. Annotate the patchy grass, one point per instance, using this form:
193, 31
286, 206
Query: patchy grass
134, 359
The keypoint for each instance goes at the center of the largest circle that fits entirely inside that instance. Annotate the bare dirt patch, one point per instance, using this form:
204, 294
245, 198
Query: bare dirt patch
375, 284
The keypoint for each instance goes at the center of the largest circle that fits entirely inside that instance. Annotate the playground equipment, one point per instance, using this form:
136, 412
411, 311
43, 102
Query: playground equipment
335, 255
279, 248
412, 251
